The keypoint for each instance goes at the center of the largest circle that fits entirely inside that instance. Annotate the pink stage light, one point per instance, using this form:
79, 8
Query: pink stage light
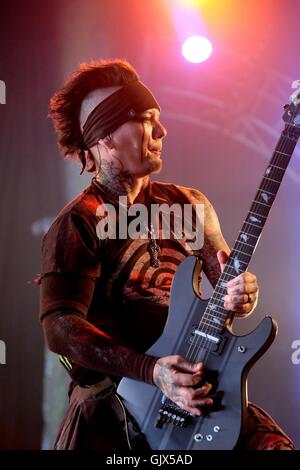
196, 49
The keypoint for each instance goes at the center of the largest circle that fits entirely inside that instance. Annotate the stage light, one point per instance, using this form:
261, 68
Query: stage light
196, 49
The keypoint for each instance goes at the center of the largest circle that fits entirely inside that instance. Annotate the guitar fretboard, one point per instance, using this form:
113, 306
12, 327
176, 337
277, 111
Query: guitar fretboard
215, 315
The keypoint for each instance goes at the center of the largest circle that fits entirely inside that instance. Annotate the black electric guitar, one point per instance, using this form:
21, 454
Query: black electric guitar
196, 329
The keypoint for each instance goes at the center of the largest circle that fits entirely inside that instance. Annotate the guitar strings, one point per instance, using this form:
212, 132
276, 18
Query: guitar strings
265, 184
282, 147
197, 344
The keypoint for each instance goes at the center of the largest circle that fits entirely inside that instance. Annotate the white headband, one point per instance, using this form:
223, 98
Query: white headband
92, 100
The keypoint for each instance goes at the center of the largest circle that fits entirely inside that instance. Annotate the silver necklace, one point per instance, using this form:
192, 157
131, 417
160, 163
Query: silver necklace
153, 249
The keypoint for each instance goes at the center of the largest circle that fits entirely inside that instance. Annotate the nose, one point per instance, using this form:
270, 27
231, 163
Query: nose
159, 131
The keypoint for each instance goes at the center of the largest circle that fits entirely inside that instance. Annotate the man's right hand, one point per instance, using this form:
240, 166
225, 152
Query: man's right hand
176, 377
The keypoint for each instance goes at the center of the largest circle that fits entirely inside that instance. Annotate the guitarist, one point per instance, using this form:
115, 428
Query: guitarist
104, 302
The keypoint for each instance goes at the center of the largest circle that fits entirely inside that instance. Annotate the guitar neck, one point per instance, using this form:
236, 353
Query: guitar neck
215, 315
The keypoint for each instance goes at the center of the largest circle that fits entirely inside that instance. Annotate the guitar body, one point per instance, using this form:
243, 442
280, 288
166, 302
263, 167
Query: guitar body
227, 369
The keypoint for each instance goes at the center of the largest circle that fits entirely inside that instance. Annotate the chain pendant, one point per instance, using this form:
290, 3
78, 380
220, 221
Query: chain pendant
153, 250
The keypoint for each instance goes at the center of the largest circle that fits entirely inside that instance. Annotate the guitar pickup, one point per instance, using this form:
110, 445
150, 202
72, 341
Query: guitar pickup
214, 343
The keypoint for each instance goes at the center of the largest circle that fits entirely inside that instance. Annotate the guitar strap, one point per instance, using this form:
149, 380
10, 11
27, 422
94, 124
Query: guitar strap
135, 438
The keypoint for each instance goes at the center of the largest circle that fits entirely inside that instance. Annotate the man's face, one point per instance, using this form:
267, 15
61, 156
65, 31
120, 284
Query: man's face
137, 144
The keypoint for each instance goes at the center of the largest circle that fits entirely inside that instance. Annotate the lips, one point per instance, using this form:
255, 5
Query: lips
156, 153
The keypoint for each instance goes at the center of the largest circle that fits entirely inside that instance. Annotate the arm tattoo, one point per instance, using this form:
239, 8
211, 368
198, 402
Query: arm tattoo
211, 265
213, 242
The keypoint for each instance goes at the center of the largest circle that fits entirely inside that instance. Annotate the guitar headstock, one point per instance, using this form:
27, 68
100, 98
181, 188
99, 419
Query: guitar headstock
291, 116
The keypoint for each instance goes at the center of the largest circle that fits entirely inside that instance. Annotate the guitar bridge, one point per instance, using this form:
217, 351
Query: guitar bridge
171, 414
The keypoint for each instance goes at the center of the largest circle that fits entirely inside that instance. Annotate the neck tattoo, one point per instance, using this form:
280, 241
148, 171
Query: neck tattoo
118, 182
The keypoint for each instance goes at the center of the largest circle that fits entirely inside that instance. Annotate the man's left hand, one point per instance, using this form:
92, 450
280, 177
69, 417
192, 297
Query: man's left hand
242, 291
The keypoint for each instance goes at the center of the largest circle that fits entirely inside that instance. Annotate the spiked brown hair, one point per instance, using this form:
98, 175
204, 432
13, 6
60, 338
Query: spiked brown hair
66, 102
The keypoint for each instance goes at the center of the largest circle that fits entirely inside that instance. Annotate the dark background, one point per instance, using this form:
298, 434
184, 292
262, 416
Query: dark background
223, 118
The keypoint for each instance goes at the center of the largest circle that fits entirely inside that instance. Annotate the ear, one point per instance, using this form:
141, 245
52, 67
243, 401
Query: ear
90, 162
107, 143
